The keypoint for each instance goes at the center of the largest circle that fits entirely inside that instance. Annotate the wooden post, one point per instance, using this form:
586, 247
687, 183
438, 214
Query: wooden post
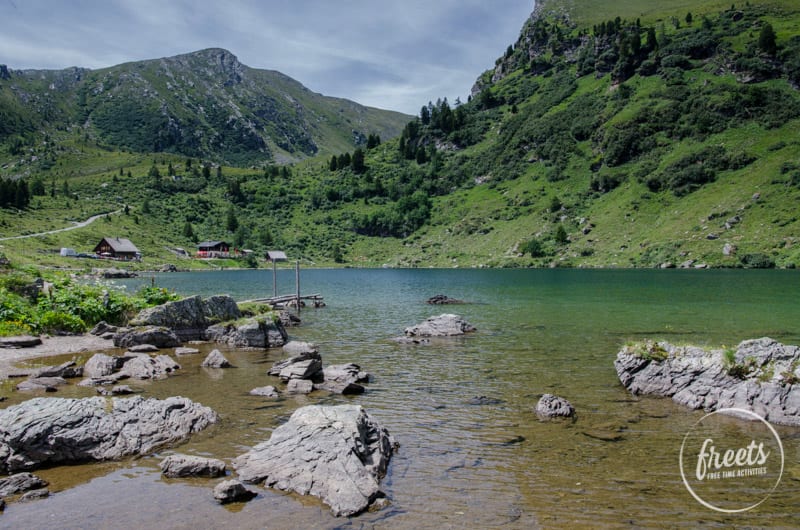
274, 279
297, 282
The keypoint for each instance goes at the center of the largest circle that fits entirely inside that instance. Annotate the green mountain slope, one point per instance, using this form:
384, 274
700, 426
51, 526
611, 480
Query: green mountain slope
202, 104
609, 134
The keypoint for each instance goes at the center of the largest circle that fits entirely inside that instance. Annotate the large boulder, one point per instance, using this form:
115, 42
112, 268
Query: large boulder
252, 333
158, 336
445, 325
190, 317
49, 431
759, 376
338, 454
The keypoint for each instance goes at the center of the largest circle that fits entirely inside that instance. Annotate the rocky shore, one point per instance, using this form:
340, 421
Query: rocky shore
759, 375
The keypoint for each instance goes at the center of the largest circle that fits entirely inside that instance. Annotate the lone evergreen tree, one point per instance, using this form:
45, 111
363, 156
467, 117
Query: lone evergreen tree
767, 39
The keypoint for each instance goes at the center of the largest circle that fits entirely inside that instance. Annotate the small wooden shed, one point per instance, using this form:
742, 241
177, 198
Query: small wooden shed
117, 248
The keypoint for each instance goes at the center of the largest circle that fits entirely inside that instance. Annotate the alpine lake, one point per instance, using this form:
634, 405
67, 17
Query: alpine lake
473, 453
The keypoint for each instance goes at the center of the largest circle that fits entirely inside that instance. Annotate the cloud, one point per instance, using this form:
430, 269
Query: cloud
389, 54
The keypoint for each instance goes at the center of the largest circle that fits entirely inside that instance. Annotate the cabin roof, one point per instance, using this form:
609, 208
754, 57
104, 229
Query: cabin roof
120, 244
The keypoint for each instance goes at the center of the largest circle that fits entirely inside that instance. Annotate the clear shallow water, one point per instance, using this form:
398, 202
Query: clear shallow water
463, 464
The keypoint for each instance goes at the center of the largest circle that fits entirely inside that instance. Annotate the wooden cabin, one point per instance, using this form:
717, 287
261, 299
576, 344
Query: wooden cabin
213, 249
117, 248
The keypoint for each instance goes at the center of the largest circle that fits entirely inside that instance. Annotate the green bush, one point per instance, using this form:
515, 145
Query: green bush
757, 261
59, 322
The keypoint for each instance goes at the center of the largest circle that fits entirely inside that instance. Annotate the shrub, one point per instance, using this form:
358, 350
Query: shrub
60, 322
757, 261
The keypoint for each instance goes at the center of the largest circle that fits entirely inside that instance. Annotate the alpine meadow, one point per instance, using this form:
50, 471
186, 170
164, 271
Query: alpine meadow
610, 134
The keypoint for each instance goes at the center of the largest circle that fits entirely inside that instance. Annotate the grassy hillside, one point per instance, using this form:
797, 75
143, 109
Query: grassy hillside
609, 134
202, 104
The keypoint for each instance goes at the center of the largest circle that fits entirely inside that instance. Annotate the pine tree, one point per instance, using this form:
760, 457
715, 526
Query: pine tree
358, 161
333, 165
767, 39
231, 222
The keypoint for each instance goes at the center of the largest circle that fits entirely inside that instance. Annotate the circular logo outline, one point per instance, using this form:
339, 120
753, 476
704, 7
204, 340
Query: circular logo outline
708, 504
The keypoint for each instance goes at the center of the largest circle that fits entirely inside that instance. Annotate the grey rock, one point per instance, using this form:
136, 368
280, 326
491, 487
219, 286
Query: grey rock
279, 366
343, 379
143, 348
232, 491
102, 328
712, 237
265, 391
251, 333
33, 495
305, 369
760, 380
192, 466
105, 380
50, 431
288, 319
48, 384
340, 387
338, 454
101, 365
215, 359
667, 265
20, 482
299, 386
159, 337
23, 341
350, 373
550, 406
444, 325
189, 318
186, 351
441, 299
145, 367
296, 347
119, 390
728, 250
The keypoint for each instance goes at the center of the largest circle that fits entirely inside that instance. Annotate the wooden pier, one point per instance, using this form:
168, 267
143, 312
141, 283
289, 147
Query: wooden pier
287, 298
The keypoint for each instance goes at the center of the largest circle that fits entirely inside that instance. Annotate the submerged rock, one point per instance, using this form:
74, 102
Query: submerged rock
441, 299
47, 431
265, 391
338, 454
445, 325
550, 406
759, 376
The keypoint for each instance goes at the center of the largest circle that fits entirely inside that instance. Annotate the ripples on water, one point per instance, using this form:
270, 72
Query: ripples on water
472, 452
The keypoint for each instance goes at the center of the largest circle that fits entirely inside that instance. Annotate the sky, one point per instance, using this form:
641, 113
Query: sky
395, 55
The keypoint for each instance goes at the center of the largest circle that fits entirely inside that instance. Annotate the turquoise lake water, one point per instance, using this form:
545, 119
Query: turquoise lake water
487, 465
